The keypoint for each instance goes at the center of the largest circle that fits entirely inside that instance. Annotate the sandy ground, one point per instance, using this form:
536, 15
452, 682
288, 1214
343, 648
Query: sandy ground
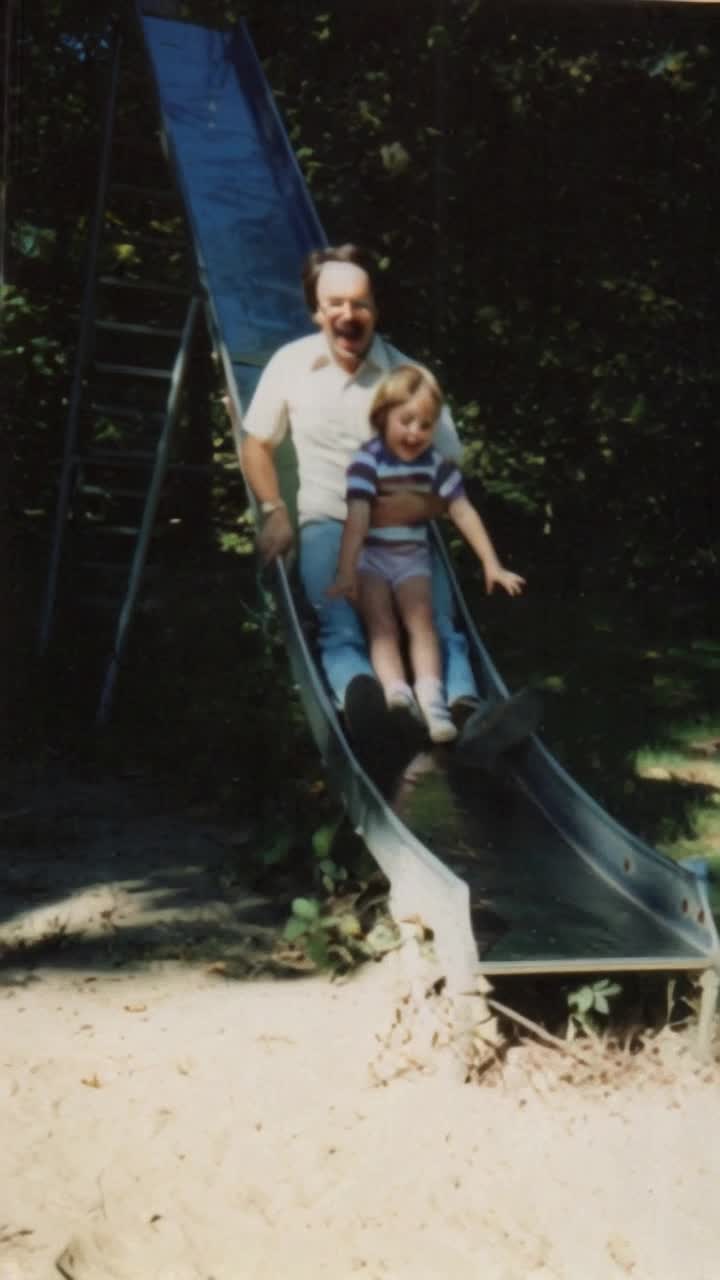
164, 1121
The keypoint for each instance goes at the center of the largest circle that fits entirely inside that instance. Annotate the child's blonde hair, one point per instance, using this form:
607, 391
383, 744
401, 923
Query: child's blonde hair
399, 386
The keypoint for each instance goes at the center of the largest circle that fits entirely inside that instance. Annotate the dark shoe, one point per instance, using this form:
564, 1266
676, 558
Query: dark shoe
366, 713
487, 734
463, 708
384, 740
408, 732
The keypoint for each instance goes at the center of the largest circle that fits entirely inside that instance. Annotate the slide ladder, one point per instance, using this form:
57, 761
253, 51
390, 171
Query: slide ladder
138, 324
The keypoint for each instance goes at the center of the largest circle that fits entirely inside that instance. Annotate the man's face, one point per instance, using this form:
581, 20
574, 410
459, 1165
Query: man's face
346, 312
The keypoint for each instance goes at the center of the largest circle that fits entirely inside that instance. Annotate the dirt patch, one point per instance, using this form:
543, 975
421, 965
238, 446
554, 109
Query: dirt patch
163, 1120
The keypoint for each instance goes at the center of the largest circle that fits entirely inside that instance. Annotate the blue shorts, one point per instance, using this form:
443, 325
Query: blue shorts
396, 564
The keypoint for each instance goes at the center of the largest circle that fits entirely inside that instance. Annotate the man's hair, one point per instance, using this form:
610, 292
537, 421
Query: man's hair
315, 261
397, 387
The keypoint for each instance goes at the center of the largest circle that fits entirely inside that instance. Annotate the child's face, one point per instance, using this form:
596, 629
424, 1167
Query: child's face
409, 427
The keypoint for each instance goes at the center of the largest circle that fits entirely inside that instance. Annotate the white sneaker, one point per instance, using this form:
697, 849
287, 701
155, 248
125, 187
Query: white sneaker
439, 723
401, 696
436, 713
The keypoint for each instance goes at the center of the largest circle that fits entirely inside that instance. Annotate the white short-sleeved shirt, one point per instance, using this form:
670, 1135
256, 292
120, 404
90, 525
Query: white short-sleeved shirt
326, 409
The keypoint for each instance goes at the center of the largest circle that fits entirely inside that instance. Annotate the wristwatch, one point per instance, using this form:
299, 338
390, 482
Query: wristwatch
271, 504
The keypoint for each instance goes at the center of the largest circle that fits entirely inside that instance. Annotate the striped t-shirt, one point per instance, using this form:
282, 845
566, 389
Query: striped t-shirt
374, 472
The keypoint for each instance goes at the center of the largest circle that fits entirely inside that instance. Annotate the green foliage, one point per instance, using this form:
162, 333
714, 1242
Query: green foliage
346, 924
24, 350
341, 934
33, 242
539, 194
332, 873
276, 851
539, 198
589, 1004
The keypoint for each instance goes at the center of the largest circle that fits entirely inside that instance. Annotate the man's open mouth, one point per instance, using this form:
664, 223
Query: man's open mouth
350, 332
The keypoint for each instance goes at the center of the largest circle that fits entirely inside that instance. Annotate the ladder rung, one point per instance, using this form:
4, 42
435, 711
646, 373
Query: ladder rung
115, 457
128, 412
142, 145
102, 604
112, 604
133, 370
134, 458
102, 491
116, 530
145, 286
159, 240
104, 566
121, 530
109, 566
152, 193
149, 330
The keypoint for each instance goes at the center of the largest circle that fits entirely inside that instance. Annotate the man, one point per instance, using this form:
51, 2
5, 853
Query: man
320, 388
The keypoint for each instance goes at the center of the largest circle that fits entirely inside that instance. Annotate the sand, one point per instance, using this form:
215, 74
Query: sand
162, 1120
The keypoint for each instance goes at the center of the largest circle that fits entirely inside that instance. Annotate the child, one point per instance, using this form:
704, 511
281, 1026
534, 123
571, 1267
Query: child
383, 569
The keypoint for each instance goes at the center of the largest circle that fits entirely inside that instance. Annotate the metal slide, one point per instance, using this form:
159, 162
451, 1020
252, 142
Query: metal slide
523, 875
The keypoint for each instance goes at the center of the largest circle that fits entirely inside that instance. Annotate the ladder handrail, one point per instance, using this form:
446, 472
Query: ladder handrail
162, 454
5, 160
86, 323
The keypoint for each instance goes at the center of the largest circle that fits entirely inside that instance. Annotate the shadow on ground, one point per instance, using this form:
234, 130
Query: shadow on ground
102, 873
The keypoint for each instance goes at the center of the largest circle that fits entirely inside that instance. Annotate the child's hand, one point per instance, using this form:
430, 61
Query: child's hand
345, 585
510, 582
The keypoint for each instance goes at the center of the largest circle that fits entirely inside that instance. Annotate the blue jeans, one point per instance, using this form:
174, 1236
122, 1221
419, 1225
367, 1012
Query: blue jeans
343, 644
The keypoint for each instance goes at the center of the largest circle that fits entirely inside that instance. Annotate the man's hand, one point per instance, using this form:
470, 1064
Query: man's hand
276, 535
345, 585
406, 508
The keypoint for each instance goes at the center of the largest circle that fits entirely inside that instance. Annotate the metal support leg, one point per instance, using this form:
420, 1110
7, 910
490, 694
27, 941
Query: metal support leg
710, 986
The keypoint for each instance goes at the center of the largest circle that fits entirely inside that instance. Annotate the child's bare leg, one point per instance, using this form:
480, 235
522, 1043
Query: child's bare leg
414, 601
375, 603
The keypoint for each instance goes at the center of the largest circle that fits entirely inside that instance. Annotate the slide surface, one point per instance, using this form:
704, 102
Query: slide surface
549, 881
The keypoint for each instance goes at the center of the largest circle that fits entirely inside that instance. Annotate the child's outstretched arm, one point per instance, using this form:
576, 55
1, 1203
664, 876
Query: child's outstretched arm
357, 524
466, 519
